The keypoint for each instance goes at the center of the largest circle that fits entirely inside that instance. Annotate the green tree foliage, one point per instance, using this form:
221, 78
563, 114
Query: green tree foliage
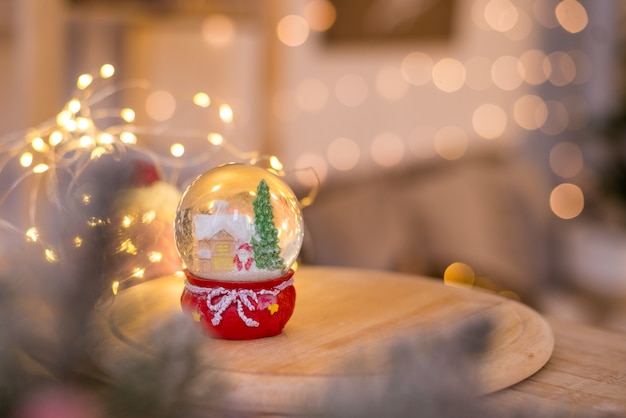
265, 242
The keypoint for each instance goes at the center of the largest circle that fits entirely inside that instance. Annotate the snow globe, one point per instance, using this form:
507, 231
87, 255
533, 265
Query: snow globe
238, 231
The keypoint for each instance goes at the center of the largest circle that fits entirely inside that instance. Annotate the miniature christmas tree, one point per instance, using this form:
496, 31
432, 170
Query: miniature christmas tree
265, 243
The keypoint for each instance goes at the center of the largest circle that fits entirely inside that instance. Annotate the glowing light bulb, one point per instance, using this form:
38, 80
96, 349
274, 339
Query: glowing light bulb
226, 113
201, 99
64, 117
84, 81
38, 145
71, 125
74, 106
127, 114
32, 234
149, 216
177, 150
51, 256
78, 241
26, 159
105, 138
275, 163
115, 286
128, 138
139, 272
83, 123
55, 138
107, 71
215, 138
86, 141
127, 221
155, 256
40, 168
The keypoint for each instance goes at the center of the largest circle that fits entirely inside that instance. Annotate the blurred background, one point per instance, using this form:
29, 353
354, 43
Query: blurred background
476, 141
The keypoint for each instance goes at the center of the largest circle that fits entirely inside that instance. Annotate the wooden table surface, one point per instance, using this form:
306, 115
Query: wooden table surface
587, 371
338, 311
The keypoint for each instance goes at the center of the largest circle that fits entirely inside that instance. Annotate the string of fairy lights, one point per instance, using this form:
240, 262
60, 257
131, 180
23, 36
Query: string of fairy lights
74, 139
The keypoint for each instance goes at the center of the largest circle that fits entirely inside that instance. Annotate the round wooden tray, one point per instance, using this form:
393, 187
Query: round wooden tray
339, 313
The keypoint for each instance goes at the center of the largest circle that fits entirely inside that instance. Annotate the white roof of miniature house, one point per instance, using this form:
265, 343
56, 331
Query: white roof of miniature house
235, 224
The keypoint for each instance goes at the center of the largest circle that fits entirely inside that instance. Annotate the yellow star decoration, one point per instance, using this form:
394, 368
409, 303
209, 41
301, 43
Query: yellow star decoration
196, 316
273, 308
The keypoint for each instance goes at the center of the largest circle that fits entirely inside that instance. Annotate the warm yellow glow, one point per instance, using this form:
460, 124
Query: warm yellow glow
275, 163
107, 71
32, 234
218, 30
215, 138
320, 14
40, 168
86, 199
105, 138
148, 216
127, 221
177, 150
26, 159
83, 123
63, 117
78, 241
93, 222
71, 125
128, 138
449, 75
84, 81
74, 105
571, 15
127, 114
292, 30
51, 256
97, 152
201, 99
115, 285
226, 113
155, 256
459, 275
160, 105
86, 141
566, 159
343, 154
139, 272
489, 121
55, 138
387, 149
128, 247
38, 144
567, 201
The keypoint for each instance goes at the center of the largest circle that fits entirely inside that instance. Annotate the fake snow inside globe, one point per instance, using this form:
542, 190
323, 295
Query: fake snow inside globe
238, 231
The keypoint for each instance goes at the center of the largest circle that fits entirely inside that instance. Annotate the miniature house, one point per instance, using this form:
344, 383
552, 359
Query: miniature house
217, 237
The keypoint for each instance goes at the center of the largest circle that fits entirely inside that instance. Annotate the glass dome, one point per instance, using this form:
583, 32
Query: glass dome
238, 222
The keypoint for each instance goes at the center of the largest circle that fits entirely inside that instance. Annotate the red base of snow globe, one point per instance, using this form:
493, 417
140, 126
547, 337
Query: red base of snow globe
240, 310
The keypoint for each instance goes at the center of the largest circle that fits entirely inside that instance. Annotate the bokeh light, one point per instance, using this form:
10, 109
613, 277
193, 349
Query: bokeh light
312, 94
566, 159
560, 68
449, 75
567, 201
351, 90
507, 72
558, 118
343, 154
320, 14
532, 61
571, 15
160, 105
451, 142
459, 275
390, 83
292, 30
530, 112
387, 149
218, 30
489, 121
501, 15
417, 68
